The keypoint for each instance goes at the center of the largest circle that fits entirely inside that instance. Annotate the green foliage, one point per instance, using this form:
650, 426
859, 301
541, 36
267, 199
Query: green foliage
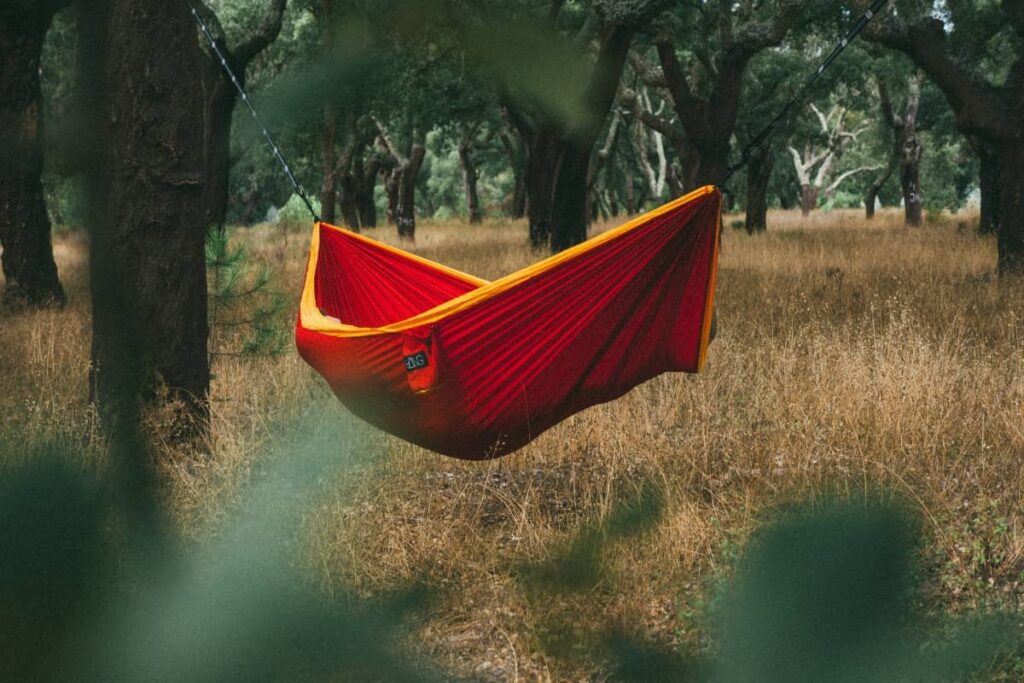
827, 596
83, 602
295, 213
245, 308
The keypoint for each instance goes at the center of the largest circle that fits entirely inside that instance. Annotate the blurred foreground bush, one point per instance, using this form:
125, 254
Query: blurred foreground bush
822, 597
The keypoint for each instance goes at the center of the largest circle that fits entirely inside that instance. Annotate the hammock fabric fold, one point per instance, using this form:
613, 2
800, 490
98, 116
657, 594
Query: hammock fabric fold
476, 370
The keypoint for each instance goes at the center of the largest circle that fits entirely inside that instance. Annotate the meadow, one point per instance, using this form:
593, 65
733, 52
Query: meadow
854, 359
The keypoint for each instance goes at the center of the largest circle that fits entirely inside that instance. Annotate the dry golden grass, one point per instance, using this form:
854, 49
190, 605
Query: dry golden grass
853, 359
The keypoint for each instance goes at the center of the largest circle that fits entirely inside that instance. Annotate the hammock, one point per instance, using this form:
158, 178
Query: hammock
475, 370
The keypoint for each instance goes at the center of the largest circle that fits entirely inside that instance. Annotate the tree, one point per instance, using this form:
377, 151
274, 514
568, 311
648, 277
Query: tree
975, 55
28, 264
705, 81
220, 96
408, 158
142, 103
823, 154
560, 143
469, 172
907, 147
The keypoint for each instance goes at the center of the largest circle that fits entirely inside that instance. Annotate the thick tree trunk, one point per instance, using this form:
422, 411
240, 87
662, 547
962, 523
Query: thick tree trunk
329, 185
365, 176
220, 97
808, 199
991, 188
219, 106
713, 164
151, 245
348, 202
759, 172
569, 201
542, 160
28, 264
469, 177
1011, 211
569, 197
345, 172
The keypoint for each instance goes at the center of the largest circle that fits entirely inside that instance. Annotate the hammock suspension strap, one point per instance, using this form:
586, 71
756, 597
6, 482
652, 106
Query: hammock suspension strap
850, 36
296, 185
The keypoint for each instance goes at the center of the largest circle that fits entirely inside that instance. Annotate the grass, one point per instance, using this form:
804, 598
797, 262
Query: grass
854, 359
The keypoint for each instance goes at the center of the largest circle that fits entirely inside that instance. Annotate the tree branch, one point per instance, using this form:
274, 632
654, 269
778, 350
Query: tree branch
687, 105
843, 176
265, 34
976, 105
388, 143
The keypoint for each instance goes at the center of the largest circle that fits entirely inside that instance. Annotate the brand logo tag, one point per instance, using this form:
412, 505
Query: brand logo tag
416, 361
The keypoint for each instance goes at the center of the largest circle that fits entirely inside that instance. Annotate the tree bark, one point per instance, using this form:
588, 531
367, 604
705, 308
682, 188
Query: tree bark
1010, 238
569, 198
149, 251
871, 196
513, 149
328, 185
910, 182
365, 175
991, 188
469, 177
759, 172
27, 261
544, 151
220, 97
408, 172
808, 199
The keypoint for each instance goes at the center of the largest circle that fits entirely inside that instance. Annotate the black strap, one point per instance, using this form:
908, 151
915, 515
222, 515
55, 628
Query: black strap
759, 139
296, 185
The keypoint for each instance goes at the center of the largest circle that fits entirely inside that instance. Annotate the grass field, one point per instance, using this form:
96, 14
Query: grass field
854, 359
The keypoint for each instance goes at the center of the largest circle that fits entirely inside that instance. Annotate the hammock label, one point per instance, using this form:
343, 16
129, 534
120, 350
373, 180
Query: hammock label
416, 361
420, 358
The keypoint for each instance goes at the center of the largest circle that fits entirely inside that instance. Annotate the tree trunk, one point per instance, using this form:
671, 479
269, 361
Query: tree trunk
759, 172
219, 106
569, 201
785, 200
870, 200
28, 264
629, 197
910, 182
328, 186
1011, 211
469, 177
365, 176
151, 245
808, 199
513, 150
391, 190
569, 196
407, 174
542, 159
220, 97
712, 164
991, 188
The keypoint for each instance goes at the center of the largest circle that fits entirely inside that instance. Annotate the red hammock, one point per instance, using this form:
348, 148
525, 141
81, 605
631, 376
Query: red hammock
475, 370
